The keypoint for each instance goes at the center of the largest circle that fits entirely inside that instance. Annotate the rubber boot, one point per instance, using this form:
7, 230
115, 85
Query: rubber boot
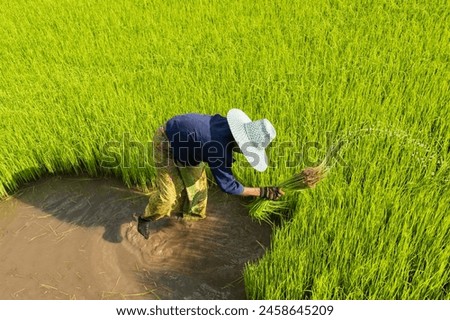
144, 227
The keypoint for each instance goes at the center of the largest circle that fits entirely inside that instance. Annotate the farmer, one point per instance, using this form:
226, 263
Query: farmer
185, 144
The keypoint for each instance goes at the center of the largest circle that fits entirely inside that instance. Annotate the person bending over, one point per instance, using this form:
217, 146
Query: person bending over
182, 148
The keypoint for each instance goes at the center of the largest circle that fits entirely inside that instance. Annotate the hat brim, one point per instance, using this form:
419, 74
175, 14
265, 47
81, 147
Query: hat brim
255, 155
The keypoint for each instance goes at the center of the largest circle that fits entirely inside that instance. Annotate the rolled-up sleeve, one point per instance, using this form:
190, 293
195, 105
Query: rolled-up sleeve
226, 181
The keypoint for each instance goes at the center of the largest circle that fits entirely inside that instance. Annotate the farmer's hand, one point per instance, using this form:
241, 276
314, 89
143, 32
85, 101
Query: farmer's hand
271, 193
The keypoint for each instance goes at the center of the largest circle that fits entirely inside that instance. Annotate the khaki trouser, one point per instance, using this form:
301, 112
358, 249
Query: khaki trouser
179, 190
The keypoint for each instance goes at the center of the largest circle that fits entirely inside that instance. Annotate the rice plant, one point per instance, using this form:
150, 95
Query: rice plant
307, 178
84, 83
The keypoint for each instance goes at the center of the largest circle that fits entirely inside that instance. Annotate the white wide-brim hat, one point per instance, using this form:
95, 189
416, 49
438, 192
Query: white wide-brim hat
252, 137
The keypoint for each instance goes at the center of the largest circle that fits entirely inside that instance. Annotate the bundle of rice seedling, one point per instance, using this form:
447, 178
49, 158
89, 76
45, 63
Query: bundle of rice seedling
264, 210
305, 179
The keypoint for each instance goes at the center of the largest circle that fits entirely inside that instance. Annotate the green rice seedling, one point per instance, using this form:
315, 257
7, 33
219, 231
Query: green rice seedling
265, 210
305, 179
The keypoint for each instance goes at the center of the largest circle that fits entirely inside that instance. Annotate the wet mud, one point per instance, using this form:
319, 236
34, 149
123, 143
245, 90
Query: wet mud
76, 238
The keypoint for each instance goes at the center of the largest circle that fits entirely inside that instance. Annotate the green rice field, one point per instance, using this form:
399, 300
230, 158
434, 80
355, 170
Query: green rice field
81, 80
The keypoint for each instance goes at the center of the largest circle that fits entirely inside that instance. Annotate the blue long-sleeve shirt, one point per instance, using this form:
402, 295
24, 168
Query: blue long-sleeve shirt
196, 138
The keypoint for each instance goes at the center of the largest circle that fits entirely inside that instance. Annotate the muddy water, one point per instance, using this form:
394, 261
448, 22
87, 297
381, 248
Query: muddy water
76, 238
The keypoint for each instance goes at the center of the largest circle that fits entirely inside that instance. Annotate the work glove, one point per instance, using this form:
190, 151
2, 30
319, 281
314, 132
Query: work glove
270, 193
